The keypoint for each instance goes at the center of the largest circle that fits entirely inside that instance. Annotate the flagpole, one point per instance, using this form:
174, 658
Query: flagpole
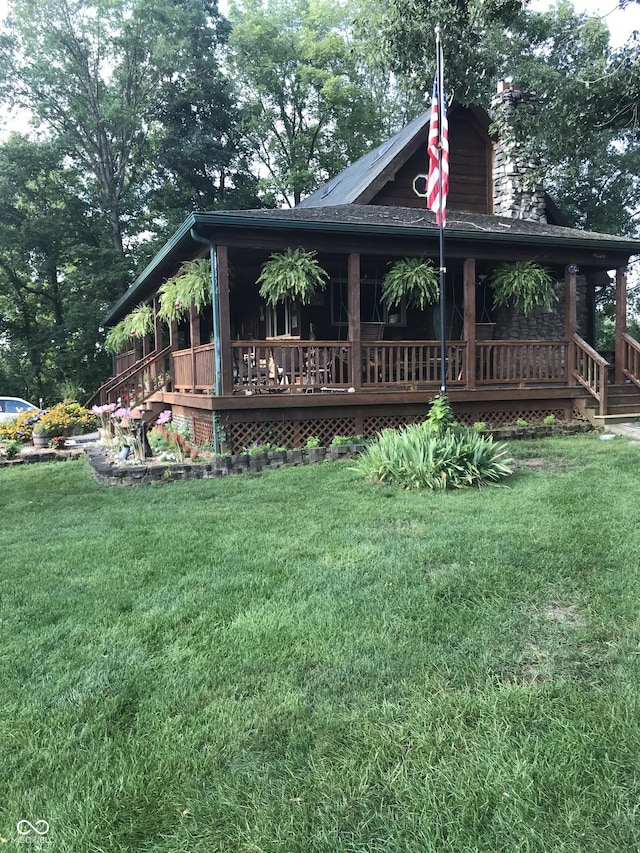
443, 268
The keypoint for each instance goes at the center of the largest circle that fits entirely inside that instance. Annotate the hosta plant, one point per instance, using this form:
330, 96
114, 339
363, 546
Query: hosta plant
523, 285
294, 274
413, 279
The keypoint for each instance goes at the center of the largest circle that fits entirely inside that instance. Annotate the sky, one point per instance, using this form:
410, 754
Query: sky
621, 22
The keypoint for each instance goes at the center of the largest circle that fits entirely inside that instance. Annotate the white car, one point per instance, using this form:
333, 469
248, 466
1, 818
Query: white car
11, 407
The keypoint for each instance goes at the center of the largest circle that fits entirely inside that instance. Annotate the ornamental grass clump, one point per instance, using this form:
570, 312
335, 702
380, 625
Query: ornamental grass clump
424, 456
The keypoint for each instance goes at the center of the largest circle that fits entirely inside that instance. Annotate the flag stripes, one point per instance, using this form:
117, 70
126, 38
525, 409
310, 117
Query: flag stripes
438, 151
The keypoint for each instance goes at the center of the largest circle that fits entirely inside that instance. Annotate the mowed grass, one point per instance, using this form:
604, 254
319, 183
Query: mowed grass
299, 661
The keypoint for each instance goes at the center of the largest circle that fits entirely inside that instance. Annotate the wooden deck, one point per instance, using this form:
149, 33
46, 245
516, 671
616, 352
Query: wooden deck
292, 389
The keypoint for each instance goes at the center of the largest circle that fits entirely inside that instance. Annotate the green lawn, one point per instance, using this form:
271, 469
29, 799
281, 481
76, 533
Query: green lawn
299, 662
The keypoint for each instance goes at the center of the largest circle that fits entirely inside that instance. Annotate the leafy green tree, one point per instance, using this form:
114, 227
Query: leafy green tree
308, 107
57, 274
99, 74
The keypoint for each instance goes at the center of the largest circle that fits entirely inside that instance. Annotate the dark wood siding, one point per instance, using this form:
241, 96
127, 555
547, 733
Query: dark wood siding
470, 170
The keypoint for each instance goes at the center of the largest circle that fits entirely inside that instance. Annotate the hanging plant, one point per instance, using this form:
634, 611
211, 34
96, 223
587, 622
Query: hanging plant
139, 322
118, 337
415, 279
190, 286
293, 274
136, 324
523, 285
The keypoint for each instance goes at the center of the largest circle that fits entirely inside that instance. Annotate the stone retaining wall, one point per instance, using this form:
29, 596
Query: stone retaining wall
221, 466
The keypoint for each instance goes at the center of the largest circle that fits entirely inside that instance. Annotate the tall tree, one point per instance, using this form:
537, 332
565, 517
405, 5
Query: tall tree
97, 75
309, 108
57, 273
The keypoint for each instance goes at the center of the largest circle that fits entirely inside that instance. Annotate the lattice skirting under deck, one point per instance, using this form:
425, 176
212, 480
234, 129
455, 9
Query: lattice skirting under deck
294, 433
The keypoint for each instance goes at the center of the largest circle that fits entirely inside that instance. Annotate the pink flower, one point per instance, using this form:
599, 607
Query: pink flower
164, 417
122, 413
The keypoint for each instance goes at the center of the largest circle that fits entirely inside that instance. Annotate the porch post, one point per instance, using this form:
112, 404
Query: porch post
157, 325
173, 334
194, 335
469, 326
570, 318
354, 318
225, 319
157, 337
621, 321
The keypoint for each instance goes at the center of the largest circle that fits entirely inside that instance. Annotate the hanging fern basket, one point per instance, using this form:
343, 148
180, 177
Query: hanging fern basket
294, 274
135, 326
523, 285
191, 286
413, 279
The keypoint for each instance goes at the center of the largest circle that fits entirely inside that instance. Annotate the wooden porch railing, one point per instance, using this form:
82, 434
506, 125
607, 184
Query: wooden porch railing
137, 382
389, 363
591, 370
123, 360
193, 369
519, 362
281, 363
631, 358
311, 365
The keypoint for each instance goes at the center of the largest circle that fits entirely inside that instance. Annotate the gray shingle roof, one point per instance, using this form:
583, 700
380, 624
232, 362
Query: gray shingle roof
348, 187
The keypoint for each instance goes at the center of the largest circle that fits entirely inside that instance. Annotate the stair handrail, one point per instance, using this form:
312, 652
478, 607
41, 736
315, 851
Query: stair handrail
111, 383
595, 373
631, 358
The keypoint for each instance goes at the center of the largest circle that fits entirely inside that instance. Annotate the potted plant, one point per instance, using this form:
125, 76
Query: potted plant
190, 286
41, 435
414, 279
523, 285
118, 338
294, 274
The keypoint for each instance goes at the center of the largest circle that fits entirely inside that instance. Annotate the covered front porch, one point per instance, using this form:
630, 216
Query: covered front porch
346, 361
364, 363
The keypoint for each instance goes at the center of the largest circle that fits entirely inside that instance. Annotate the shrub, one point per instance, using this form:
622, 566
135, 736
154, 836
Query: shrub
341, 440
313, 441
20, 428
417, 457
440, 415
521, 422
549, 420
11, 449
66, 419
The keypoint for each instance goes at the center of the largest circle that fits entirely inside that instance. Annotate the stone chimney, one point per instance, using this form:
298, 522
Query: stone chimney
515, 194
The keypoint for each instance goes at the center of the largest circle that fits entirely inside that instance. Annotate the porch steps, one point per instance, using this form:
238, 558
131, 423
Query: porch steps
623, 406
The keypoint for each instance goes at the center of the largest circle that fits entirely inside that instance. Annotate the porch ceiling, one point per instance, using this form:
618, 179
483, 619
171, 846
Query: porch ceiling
381, 230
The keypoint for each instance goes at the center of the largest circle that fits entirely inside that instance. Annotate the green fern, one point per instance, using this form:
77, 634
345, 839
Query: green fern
293, 274
415, 279
190, 286
523, 285
136, 324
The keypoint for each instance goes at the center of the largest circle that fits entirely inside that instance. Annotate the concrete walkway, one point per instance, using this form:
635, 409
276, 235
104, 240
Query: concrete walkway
631, 429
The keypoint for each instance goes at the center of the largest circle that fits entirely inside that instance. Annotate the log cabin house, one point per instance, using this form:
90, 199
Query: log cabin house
242, 371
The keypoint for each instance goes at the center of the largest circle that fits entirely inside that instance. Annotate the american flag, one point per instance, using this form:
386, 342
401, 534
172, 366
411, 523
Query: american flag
438, 142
